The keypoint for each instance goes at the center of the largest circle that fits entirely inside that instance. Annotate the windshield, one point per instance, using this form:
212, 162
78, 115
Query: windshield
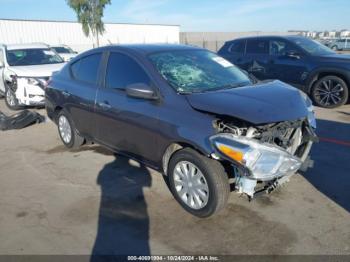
63, 50
37, 56
197, 71
312, 47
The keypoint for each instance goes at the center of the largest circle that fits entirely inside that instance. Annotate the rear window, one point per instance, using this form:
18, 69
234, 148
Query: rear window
86, 69
257, 46
237, 47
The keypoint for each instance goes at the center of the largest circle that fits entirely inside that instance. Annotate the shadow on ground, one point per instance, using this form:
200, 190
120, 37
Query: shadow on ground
331, 172
123, 223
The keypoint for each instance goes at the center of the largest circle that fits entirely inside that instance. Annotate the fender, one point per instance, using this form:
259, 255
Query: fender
313, 75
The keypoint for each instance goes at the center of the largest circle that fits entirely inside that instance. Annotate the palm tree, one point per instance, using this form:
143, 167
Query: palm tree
90, 13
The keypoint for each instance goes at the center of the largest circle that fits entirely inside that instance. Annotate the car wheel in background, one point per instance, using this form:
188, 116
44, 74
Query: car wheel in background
198, 183
335, 48
11, 100
67, 131
330, 92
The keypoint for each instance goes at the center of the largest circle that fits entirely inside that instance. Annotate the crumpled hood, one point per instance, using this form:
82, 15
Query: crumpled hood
36, 70
259, 104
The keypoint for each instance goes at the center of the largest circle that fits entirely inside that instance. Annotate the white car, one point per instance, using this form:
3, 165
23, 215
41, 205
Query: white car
64, 51
24, 72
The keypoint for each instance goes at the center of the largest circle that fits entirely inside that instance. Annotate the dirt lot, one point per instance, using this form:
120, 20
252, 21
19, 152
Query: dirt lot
55, 201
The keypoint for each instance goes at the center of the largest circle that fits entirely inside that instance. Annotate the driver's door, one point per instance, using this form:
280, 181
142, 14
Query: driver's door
126, 123
281, 66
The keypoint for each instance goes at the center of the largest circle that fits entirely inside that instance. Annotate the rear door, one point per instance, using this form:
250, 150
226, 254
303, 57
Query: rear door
234, 52
257, 57
125, 123
80, 92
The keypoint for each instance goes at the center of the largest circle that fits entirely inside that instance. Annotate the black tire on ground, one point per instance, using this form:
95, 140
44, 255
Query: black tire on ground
215, 176
335, 48
11, 100
336, 84
76, 140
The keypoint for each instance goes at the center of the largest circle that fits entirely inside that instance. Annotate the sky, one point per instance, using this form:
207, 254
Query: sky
201, 15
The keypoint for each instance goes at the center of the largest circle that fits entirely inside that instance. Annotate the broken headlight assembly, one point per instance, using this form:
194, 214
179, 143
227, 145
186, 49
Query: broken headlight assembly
261, 161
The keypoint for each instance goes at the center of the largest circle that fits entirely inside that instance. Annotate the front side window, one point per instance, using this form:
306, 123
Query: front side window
35, 56
122, 71
197, 71
312, 47
86, 69
256, 46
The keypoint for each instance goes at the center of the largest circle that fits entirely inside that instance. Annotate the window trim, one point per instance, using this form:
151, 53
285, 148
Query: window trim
98, 69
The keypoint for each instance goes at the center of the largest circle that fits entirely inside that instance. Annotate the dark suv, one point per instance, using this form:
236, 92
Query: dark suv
188, 113
296, 60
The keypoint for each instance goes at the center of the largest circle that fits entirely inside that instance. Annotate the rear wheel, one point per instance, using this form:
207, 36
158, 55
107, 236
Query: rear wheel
67, 131
335, 48
198, 183
330, 92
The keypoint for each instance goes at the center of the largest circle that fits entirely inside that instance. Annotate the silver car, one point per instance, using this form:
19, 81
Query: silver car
341, 44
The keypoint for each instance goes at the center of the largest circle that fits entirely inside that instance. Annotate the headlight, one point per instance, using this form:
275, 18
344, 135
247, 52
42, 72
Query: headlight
310, 108
32, 81
264, 161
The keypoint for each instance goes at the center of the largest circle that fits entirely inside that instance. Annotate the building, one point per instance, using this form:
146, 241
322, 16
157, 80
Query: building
71, 34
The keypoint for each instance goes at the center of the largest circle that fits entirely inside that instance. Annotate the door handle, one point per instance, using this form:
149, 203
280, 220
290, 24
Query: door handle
104, 105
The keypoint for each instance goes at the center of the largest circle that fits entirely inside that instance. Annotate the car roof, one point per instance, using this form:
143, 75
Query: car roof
268, 36
145, 49
25, 46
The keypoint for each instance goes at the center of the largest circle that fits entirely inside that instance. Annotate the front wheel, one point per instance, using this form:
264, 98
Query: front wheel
67, 131
330, 92
198, 183
10, 99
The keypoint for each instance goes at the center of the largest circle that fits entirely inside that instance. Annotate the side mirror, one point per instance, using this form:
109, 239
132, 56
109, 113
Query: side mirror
140, 90
2, 64
293, 54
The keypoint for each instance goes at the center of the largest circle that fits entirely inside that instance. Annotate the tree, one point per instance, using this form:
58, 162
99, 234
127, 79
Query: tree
90, 13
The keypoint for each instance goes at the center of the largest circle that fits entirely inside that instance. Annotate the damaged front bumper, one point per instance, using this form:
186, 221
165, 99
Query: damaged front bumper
261, 167
29, 91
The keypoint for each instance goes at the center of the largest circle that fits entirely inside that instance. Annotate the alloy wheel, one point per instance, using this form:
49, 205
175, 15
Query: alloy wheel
329, 92
10, 98
65, 129
191, 185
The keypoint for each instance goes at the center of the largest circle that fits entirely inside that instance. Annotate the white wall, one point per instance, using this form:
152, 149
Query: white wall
70, 33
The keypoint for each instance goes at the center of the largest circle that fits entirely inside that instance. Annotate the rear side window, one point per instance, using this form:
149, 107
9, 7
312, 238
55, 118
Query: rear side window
122, 71
237, 47
256, 46
86, 69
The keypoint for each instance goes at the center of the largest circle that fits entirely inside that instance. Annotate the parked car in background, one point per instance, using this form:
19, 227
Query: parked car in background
64, 51
340, 44
24, 72
188, 113
299, 61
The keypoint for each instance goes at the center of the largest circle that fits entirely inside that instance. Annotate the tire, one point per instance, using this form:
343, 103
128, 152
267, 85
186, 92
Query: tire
335, 48
324, 92
206, 191
67, 131
10, 100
